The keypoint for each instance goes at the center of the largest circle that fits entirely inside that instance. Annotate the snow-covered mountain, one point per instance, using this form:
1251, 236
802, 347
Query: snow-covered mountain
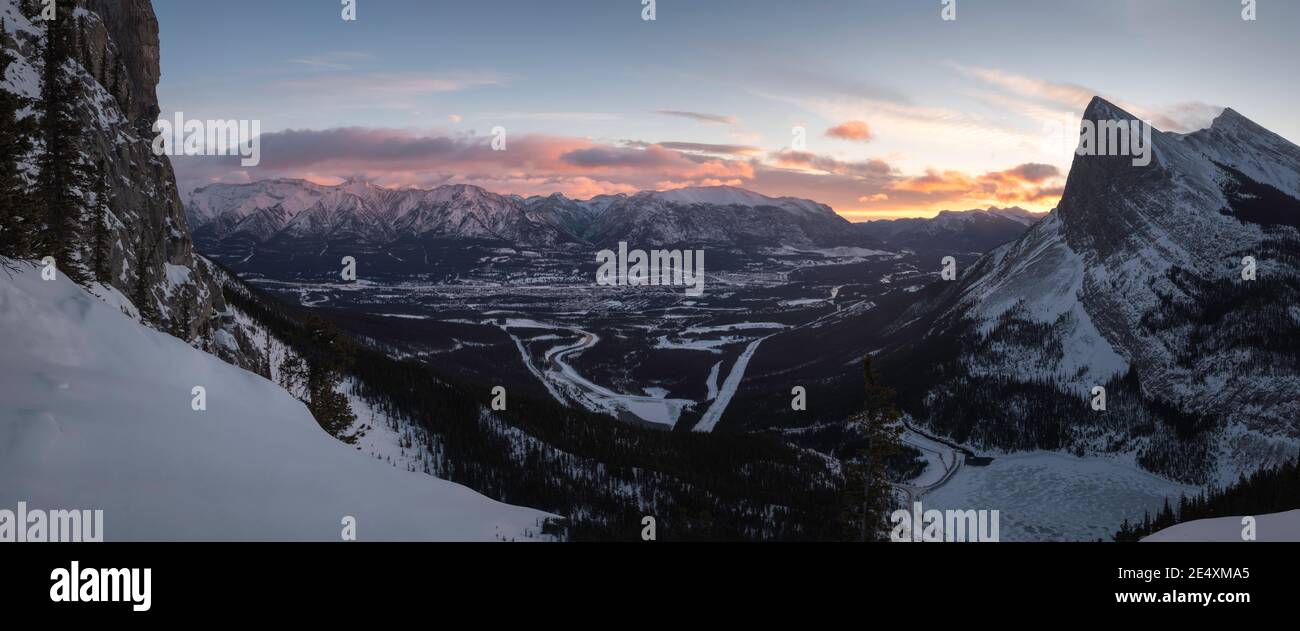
731, 196
356, 210
96, 414
1133, 283
719, 215
296, 209
571, 215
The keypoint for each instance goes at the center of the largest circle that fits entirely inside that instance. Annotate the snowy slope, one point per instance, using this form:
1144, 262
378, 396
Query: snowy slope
1274, 527
397, 441
95, 413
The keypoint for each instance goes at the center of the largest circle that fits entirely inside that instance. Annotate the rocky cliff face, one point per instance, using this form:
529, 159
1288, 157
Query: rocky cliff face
133, 28
118, 119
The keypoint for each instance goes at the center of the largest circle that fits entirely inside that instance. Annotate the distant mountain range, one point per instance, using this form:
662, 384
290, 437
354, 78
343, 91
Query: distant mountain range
952, 231
297, 210
1135, 284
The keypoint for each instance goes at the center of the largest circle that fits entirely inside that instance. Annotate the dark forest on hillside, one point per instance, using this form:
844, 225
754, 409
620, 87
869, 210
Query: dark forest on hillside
1271, 490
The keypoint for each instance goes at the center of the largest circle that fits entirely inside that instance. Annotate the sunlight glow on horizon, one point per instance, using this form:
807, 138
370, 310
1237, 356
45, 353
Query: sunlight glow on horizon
904, 115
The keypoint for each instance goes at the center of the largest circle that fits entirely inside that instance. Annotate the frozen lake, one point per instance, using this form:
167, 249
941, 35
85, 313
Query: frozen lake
1048, 496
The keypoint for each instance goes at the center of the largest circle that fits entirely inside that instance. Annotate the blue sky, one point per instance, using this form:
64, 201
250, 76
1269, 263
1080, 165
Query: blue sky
955, 112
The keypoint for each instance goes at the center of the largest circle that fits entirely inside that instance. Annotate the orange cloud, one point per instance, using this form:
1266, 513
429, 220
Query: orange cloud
1030, 184
854, 130
530, 163
811, 161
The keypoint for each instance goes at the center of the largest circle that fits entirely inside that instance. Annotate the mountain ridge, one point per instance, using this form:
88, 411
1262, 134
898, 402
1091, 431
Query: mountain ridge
1133, 284
723, 214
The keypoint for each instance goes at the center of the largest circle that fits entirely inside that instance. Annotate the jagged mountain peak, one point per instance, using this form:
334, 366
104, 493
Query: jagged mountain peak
1233, 124
1236, 141
1230, 118
1100, 109
357, 185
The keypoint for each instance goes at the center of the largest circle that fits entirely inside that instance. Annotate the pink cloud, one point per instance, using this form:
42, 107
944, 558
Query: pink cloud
530, 164
539, 164
855, 130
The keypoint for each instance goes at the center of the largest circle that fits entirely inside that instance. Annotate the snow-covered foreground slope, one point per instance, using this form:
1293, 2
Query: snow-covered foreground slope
1274, 527
95, 413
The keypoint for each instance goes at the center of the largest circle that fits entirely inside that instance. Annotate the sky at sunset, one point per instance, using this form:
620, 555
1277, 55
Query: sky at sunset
905, 114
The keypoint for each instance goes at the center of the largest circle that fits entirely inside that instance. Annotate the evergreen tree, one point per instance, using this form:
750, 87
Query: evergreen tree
102, 76
120, 91
334, 353
18, 219
1165, 518
141, 264
83, 45
99, 248
266, 357
293, 376
31, 10
869, 496
63, 173
182, 315
315, 378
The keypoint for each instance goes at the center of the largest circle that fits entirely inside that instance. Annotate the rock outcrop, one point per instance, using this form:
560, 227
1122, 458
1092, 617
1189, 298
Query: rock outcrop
117, 104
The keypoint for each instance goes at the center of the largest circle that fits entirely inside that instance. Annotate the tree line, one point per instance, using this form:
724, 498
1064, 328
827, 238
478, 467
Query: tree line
1268, 490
